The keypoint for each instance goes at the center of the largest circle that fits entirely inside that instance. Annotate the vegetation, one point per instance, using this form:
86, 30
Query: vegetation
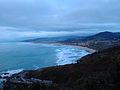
98, 71
99, 41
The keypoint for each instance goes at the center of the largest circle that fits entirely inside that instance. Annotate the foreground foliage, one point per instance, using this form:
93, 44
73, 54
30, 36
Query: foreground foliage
98, 71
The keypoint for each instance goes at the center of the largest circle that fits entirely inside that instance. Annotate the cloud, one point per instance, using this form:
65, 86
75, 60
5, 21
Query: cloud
37, 13
14, 33
11, 33
47, 18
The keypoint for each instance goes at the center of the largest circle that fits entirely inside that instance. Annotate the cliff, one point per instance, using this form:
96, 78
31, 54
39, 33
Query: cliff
97, 71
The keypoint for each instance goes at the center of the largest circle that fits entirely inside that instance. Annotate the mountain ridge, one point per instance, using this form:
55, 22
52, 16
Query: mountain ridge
98, 41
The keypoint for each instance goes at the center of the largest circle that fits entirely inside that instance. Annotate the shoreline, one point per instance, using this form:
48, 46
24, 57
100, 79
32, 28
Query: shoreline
80, 47
90, 51
85, 48
8, 74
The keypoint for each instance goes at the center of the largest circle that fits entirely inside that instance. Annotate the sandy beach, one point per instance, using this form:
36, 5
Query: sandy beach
86, 48
80, 47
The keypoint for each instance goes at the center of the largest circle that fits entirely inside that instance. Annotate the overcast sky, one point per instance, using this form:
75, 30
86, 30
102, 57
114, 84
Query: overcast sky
65, 14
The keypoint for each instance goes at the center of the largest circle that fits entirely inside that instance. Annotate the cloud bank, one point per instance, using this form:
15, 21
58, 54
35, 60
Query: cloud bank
39, 13
43, 18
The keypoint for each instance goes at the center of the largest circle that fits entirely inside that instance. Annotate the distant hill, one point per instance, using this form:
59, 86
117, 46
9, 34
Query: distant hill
104, 36
99, 41
98, 71
50, 39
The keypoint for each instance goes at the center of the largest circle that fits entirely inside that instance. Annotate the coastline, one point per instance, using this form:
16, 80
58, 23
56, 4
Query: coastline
85, 48
8, 74
59, 62
80, 47
90, 51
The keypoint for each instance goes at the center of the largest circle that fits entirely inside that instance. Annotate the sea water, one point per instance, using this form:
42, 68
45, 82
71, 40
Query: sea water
17, 56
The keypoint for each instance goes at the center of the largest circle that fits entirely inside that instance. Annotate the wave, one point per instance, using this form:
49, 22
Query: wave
68, 55
10, 73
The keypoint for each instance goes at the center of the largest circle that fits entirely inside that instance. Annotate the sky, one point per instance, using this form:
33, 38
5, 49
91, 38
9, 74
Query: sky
27, 18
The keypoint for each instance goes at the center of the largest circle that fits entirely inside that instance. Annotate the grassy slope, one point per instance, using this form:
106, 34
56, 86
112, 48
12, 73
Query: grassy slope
98, 71
99, 41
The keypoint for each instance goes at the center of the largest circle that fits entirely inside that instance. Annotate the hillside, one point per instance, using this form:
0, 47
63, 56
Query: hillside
50, 39
97, 71
99, 41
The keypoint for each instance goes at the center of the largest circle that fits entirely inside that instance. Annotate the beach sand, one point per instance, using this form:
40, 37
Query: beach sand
85, 48
80, 47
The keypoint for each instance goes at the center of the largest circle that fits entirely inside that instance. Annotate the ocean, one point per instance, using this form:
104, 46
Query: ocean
18, 56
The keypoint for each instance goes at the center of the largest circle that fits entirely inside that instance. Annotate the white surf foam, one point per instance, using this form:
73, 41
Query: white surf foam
68, 55
10, 72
